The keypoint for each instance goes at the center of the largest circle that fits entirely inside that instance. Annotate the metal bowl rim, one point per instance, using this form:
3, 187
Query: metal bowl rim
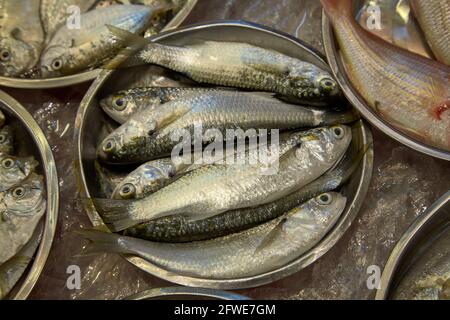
249, 282
86, 76
52, 190
358, 102
404, 245
177, 291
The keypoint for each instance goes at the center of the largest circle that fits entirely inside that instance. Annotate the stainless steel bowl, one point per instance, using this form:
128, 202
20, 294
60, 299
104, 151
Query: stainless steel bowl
66, 81
90, 116
182, 293
33, 140
337, 66
419, 235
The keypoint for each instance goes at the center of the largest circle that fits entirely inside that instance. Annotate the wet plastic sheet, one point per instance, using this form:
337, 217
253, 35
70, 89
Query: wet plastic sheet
404, 185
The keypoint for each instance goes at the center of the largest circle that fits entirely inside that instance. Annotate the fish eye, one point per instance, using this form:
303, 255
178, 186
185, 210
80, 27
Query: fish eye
2, 138
109, 146
18, 192
119, 103
328, 84
5, 55
338, 132
8, 163
57, 64
127, 191
324, 199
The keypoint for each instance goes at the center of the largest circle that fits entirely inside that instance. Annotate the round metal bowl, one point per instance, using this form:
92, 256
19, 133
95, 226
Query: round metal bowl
33, 142
338, 68
90, 116
181, 293
412, 244
66, 81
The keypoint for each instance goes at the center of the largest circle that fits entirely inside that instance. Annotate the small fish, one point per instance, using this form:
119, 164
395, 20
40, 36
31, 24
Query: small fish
149, 134
74, 50
238, 65
21, 36
6, 140
434, 19
122, 105
213, 189
13, 269
252, 252
55, 13
178, 229
408, 90
21, 209
14, 170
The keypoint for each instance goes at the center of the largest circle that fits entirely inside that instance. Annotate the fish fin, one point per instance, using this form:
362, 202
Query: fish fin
117, 214
132, 41
271, 236
100, 242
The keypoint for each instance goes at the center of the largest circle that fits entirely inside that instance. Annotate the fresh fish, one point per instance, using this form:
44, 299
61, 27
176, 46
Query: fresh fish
179, 229
148, 134
434, 18
74, 50
21, 36
238, 65
252, 252
213, 189
6, 140
20, 209
14, 170
2, 119
54, 13
122, 105
408, 90
13, 269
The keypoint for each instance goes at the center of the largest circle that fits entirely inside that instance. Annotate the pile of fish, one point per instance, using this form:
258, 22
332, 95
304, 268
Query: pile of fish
223, 219
410, 91
22, 205
52, 38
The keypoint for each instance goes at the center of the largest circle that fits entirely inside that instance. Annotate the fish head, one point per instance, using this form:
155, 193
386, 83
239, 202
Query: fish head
120, 106
25, 200
327, 144
16, 57
55, 62
311, 83
315, 215
124, 142
6, 140
14, 169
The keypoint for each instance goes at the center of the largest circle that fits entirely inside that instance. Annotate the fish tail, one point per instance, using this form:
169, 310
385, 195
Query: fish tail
132, 42
338, 8
117, 214
101, 242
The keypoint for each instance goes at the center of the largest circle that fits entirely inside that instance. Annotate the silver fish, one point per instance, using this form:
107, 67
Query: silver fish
14, 170
256, 251
217, 188
74, 50
13, 269
21, 36
124, 104
54, 13
6, 140
148, 134
21, 210
238, 65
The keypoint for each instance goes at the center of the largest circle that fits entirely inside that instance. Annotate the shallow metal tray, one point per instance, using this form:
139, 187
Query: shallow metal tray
32, 141
419, 235
90, 116
182, 293
66, 81
337, 66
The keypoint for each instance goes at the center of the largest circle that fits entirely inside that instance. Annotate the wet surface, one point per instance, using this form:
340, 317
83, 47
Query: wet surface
404, 185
